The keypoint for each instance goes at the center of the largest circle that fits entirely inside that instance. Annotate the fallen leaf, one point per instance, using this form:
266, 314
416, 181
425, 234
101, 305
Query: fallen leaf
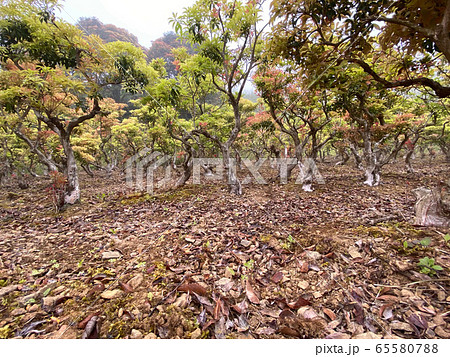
387, 312
8, 289
203, 300
289, 332
388, 298
354, 252
419, 321
265, 331
338, 336
359, 313
126, 287
242, 324
220, 329
241, 308
111, 255
304, 266
368, 336
396, 325
299, 303
307, 312
31, 328
97, 288
82, 324
277, 277
92, 329
193, 288
111, 294
136, 281
271, 313
251, 295
329, 313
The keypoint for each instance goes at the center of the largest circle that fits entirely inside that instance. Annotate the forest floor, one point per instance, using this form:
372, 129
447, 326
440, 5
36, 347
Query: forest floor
198, 262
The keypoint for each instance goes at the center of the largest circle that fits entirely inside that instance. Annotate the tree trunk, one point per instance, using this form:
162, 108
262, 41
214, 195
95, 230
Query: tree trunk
408, 157
344, 157
356, 156
72, 191
372, 169
230, 165
87, 169
432, 207
187, 170
445, 148
372, 174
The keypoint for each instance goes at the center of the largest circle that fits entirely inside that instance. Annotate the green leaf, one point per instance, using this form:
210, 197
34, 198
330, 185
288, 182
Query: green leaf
447, 237
231, 271
35, 272
425, 242
30, 301
437, 267
249, 264
46, 292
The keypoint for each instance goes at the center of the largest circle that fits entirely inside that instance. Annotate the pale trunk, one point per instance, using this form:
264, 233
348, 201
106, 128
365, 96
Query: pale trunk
372, 169
72, 191
230, 165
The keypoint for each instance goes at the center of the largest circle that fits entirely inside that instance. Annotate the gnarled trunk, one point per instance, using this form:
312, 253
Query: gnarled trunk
187, 170
230, 165
72, 191
408, 157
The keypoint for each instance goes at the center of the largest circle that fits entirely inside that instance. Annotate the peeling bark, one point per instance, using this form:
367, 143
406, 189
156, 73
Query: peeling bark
72, 193
432, 207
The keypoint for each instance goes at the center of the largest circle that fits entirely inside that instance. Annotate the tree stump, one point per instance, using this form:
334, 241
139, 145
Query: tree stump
433, 206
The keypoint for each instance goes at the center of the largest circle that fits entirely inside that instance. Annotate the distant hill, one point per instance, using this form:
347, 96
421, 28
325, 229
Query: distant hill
160, 48
107, 32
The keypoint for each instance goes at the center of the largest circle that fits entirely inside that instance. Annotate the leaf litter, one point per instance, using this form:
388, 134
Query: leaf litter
201, 263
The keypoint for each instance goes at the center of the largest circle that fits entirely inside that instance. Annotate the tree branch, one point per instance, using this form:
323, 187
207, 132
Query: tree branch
439, 90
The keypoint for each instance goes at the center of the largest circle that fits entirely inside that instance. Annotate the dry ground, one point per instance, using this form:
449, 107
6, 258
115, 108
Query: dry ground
340, 262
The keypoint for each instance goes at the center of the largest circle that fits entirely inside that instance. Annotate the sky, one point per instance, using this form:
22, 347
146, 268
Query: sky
148, 20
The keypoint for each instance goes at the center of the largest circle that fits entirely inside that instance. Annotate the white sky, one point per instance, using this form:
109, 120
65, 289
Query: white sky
148, 20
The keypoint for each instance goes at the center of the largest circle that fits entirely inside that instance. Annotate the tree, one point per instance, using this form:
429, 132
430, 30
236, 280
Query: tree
410, 48
52, 75
226, 34
299, 113
365, 109
163, 48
